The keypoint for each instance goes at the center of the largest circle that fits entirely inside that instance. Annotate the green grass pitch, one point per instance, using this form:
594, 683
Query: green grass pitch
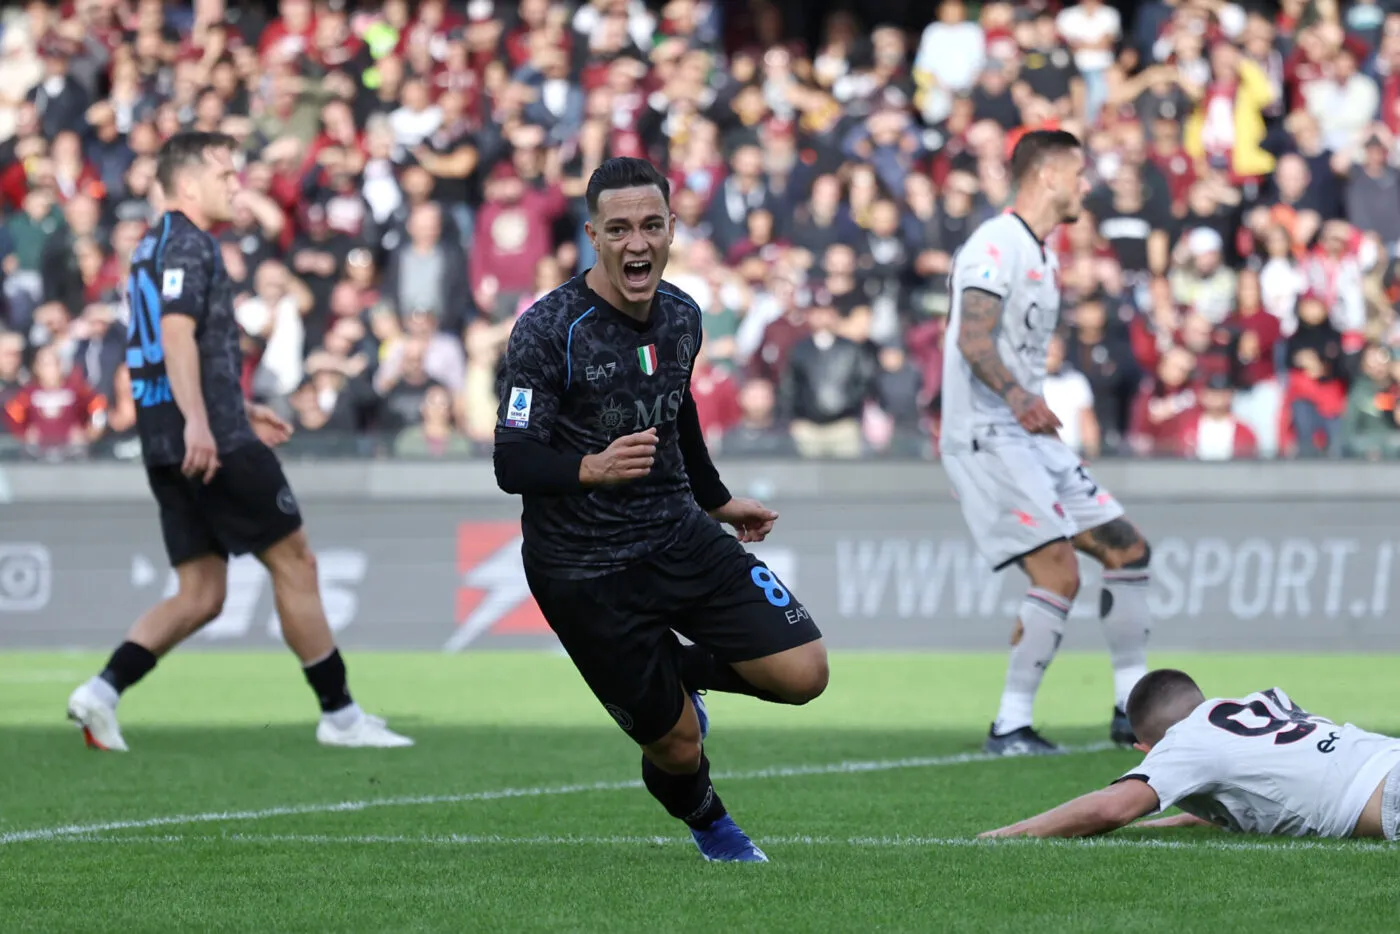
519, 809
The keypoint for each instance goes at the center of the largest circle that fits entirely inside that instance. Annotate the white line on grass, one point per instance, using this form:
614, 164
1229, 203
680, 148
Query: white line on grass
791, 771
1133, 843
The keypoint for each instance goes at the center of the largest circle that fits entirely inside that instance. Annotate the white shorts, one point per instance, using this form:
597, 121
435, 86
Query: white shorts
1020, 492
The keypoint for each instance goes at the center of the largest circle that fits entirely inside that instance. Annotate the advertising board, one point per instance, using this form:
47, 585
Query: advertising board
1253, 575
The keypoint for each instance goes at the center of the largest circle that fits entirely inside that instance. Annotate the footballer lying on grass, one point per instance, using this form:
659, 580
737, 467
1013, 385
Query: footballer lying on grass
1258, 764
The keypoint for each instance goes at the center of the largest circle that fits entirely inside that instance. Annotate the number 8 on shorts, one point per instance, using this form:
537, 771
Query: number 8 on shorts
766, 581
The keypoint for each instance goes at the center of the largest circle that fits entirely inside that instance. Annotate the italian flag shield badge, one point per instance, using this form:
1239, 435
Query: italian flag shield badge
646, 356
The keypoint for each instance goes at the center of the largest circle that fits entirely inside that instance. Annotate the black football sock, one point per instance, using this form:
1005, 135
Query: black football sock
128, 664
701, 671
691, 798
327, 679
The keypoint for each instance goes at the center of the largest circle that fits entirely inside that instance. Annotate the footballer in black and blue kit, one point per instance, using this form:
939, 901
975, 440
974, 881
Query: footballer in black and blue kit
623, 547
247, 505
209, 458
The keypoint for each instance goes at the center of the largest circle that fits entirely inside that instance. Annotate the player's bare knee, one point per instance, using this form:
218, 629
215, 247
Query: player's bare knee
292, 563
203, 587
1118, 545
1135, 557
299, 575
1054, 568
808, 679
307, 569
203, 601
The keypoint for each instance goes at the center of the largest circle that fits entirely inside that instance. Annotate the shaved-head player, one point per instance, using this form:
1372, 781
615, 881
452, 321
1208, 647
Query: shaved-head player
599, 434
1026, 497
1255, 764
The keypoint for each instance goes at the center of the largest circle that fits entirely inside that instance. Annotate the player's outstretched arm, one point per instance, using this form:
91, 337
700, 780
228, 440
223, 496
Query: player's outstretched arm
1097, 812
1175, 821
977, 342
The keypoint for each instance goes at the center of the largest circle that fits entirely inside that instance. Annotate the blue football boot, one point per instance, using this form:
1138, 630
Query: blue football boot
724, 842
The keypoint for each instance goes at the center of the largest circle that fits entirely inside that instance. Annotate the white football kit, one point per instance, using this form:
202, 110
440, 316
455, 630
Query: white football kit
1018, 491
1262, 765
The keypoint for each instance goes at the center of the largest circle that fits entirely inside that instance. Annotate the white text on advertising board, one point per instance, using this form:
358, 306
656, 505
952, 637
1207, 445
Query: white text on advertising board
1251, 578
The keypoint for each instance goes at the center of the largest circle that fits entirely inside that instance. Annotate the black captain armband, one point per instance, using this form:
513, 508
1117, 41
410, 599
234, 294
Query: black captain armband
527, 466
705, 485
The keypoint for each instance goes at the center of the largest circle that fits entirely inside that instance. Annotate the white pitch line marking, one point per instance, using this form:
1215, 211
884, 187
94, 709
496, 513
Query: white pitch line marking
790, 771
1144, 843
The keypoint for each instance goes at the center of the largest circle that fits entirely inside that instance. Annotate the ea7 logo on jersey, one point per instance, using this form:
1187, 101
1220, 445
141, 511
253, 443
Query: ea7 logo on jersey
600, 371
172, 284
518, 408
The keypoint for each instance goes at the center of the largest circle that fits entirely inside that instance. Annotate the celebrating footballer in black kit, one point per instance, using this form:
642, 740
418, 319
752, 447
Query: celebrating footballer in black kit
209, 457
623, 546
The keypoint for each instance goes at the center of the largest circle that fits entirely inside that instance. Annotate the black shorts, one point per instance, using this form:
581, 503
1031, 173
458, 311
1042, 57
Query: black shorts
247, 508
618, 628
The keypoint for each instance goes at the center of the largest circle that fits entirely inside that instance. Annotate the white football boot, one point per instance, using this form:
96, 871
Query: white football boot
367, 731
97, 718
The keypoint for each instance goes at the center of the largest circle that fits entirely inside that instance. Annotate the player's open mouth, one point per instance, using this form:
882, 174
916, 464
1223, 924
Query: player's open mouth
637, 272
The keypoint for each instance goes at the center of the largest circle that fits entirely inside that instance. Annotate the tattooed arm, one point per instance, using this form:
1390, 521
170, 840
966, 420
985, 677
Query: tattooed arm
977, 342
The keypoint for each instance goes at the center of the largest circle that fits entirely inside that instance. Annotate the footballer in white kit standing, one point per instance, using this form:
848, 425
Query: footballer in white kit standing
1256, 764
1026, 497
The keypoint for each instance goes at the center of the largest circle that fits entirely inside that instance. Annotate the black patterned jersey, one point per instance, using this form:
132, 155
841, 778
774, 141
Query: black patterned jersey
577, 375
176, 270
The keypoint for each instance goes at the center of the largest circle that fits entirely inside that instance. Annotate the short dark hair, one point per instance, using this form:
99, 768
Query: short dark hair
1154, 697
184, 150
624, 172
1033, 148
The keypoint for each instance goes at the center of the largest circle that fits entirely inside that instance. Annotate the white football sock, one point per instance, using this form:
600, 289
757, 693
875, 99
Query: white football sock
345, 717
1043, 614
104, 691
1126, 623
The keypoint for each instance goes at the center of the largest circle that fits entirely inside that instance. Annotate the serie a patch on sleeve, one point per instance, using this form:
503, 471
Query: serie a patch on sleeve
172, 284
518, 408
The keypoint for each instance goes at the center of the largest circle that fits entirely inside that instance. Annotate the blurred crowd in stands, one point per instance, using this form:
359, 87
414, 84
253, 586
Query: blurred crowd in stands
413, 178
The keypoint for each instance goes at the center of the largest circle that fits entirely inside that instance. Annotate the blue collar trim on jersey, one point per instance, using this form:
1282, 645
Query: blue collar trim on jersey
680, 298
